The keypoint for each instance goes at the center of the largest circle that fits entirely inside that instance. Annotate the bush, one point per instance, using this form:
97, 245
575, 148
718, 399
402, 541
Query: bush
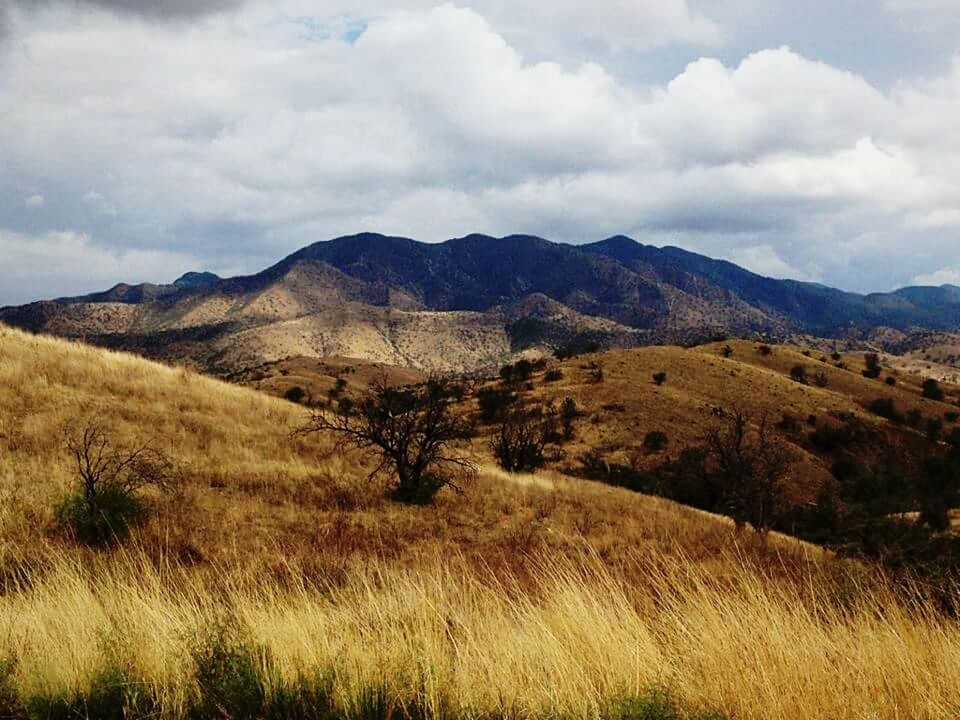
891, 380
765, 350
788, 423
519, 444
873, 366
885, 408
914, 418
933, 429
932, 390
226, 674
659, 378
727, 351
111, 695
494, 404
596, 372
951, 416
655, 441
568, 413
296, 394
820, 379
798, 373
10, 706
106, 520
553, 375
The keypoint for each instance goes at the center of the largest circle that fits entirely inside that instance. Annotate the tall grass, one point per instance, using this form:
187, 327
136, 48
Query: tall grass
565, 638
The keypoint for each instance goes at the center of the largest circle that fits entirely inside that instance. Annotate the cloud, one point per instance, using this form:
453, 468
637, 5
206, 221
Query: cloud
234, 140
944, 276
68, 263
34, 201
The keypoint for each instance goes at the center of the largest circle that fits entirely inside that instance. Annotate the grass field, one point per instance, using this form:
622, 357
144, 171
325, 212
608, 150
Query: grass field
276, 580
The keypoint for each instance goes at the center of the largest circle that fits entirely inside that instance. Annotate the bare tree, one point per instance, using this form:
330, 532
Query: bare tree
109, 477
408, 429
750, 464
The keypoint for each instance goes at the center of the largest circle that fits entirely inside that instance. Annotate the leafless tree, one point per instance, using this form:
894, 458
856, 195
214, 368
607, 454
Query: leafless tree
408, 429
103, 466
750, 464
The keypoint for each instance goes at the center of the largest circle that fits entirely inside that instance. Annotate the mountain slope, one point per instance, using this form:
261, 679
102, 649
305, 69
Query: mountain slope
467, 303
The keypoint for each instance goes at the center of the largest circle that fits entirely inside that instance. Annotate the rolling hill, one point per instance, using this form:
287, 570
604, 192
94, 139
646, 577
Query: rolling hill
469, 304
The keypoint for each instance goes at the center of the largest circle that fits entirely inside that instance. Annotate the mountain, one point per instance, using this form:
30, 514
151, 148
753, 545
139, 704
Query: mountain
468, 303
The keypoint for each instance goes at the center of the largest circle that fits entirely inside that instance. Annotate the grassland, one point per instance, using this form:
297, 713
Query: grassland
276, 580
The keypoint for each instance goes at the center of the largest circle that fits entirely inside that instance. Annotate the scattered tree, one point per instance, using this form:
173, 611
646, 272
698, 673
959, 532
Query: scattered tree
296, 394
873, 366
408, 429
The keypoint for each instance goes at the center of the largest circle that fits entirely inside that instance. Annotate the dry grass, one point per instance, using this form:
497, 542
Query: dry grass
523, 596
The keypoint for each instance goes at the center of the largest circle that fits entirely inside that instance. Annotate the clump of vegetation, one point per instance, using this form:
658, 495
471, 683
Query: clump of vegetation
409, 430
798, 373
932, 390
891, 380
659, 378
765, 350
726, 351
519, 444
596, 372
951, 416
655, 441
106, 502
885, 408
295, 394
874, 368
568, 414
553, 375
494, 404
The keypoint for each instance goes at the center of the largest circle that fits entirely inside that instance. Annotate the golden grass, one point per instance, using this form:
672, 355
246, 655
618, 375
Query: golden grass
522, 596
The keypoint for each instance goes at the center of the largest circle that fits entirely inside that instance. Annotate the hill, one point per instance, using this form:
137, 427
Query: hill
275, 580
468, 304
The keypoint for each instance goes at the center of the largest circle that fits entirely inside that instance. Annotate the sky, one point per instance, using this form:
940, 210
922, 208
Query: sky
143, 139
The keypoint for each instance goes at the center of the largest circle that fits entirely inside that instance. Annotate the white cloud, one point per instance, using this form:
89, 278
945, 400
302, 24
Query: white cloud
242, 136
764, 260
34, 201
944, 276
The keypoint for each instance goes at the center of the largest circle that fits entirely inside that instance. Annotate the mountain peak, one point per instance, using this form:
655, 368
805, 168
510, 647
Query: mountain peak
196, 279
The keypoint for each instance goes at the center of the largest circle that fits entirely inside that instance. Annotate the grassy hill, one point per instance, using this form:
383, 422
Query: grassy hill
275, 580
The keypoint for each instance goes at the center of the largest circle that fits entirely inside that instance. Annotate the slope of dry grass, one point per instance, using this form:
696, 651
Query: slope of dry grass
523, 596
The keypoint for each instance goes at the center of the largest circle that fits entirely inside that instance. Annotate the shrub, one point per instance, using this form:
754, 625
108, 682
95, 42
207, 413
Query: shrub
873, 366
659, 378
105, 505
765, 350
914, 418
836, 356
891, 380
494, 404
820, 379
655, 441
111, 695
885, 408
227, 677
522, 369
553, 375
951, 416
798, 373
10, 706
568, 413
932, 389
296, 394
933, 429
596, 372
519, 444
727, 351
788, 423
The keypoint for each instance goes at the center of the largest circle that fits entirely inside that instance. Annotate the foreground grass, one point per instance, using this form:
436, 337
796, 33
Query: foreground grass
565, 639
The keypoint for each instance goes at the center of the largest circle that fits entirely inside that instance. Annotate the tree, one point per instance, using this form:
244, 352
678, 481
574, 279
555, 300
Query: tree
518, 445
659, 378
655, 441
109, 476
873, 366
750, 466
938, 489
408, 429
568, 413
798, 373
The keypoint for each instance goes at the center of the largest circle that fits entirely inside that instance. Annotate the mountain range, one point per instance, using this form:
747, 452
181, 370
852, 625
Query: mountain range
471, 303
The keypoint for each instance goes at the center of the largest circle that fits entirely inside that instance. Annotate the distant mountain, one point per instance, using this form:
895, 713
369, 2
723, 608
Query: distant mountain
469, 303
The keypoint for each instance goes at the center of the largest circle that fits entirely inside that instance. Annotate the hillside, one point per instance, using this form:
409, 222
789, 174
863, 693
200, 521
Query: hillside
535, 594
468, 304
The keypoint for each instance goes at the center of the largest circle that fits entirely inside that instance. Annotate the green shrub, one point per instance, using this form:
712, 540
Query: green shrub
105, 520
227, 678
112, 695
